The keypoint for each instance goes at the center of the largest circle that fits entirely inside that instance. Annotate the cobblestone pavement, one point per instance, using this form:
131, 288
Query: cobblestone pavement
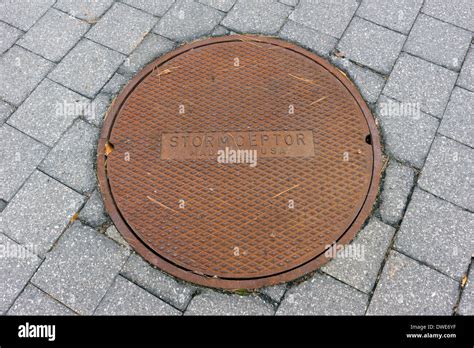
413, 62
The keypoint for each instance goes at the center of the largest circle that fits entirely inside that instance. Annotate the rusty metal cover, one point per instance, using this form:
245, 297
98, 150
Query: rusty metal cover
167, 186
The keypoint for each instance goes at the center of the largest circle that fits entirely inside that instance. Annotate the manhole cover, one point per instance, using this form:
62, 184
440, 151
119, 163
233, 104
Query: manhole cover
181, 181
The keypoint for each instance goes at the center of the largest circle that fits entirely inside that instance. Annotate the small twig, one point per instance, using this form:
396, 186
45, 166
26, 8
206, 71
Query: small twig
303, 79
291, 188
317, 101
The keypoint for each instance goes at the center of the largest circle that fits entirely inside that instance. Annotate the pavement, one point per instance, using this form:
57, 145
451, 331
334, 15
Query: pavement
62, 63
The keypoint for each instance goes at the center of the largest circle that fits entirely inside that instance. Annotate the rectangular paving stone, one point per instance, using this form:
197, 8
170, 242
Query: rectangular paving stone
16, 268
318, 42
8, 36
407, 287
370, 84
149, 49
466, 76
397, 15
449, 171
48, 112
84, 9
25, 15
80, 268
256, 16
40, 211
398, 181
155, 7
371, 45
187, 20
222, 5
113, 234
323, 295
156, 282
21, 71
415, 80
33, 301
327, 16
438, 42
54, 35
95, 114
466, 305
437, 233
122, 28
360, 269
75, 72
115, 84
93, 212
71, 161
458, 120
19, 156
275, 292
126, 298
458, 12
408, 132
5, 111
216, 303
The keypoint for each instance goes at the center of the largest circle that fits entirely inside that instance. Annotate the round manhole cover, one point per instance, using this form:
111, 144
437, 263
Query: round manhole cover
236, 162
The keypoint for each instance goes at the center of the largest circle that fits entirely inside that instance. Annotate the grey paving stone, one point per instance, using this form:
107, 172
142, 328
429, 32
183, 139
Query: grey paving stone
75, 72
320, 43
290, 2
360, 269
98, 108
48, 112
466, 76
21, 71
84, 9
39, 212
370, 84
54, 35
449, 172
19, 156
158, 283
220, 31
458, 120
371, 45
155, 7
407, 287
122, 28
408, 132
8, 36
216, 303
113, 234
458, 12
93, 212
438, 233
399, 180
327, 16
415, 80
5, 111
466, 305
223, 5
187, 20
323, 295
438, 42
257, 16
25, 15
80, 268
3, 205
16, 268
115, 84
398, 15
149, 49
72, 159
33, 301
126, 298
275, 292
